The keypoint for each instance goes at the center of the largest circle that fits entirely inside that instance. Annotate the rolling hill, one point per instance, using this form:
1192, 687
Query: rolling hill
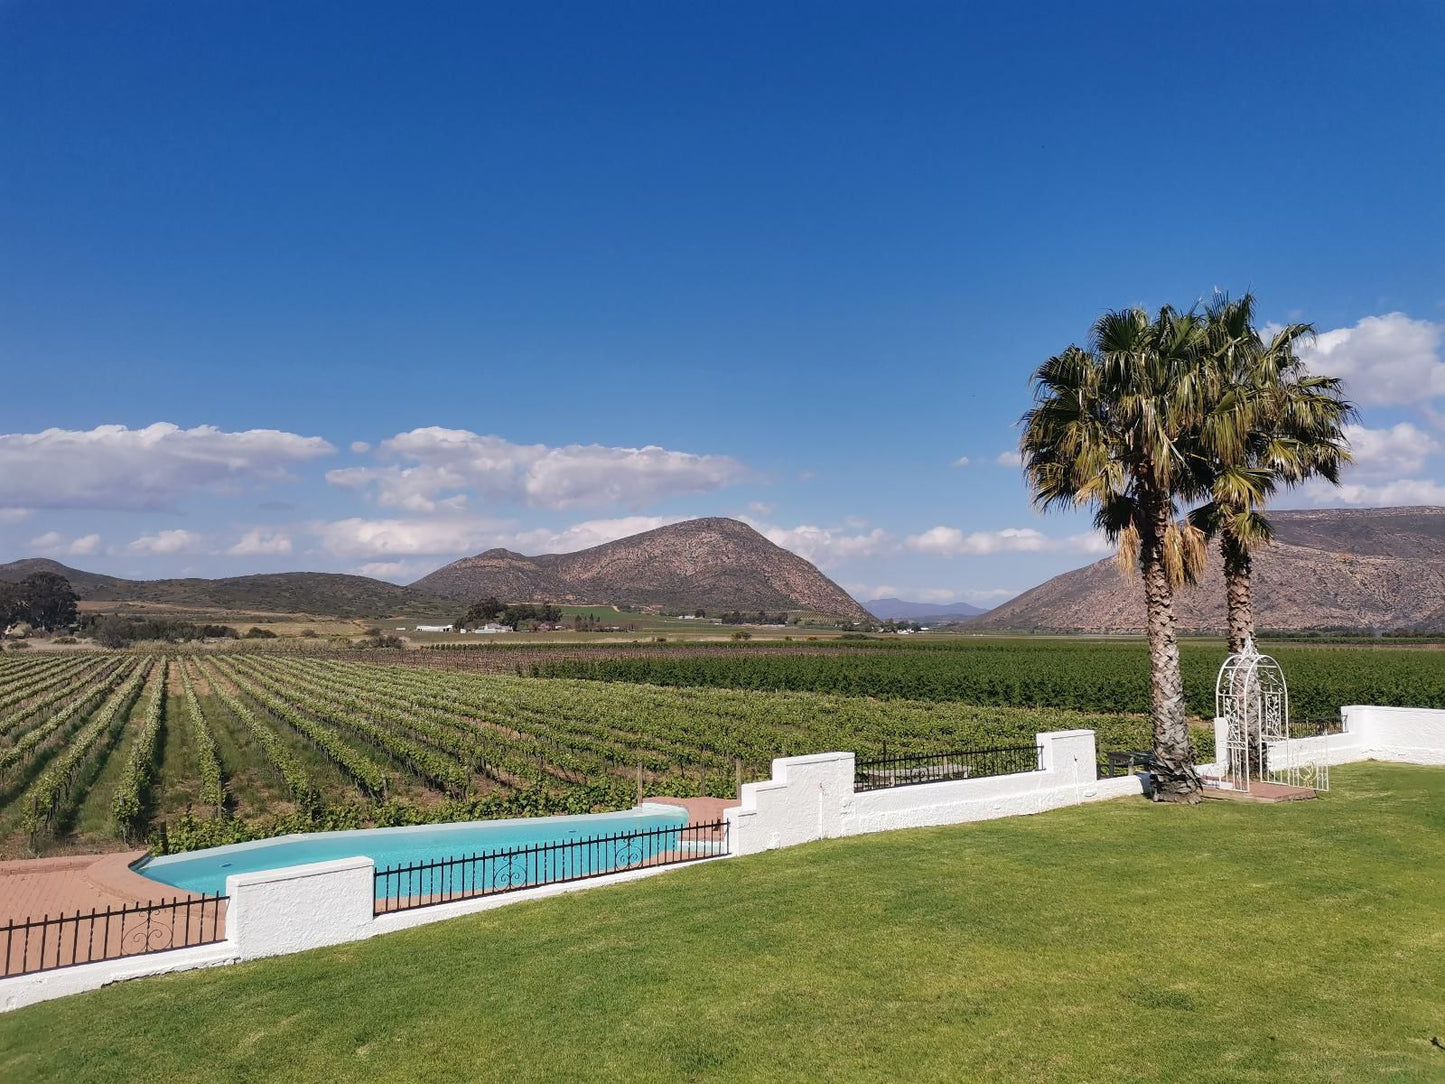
717, 564
1355, 568
320, 593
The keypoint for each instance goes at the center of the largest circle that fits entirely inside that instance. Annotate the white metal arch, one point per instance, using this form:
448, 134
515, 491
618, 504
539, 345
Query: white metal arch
1252, 695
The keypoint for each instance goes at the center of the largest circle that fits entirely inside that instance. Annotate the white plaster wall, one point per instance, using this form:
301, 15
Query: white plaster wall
1405, 735
1068, 777
812, 798
1408, 735
18, 991
802, 802
300, 907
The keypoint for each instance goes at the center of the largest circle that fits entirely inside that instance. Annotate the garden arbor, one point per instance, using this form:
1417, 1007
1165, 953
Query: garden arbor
1251, 697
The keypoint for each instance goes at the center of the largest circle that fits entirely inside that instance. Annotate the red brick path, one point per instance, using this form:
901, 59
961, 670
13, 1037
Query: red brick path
60, 887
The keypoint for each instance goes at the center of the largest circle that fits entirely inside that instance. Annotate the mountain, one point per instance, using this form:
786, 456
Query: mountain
1354, 568
716, 564
901, 610
321, 593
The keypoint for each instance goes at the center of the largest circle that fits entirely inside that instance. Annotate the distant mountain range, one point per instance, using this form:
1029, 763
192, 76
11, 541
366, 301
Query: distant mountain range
1375, 568
1357, 568
714, 564
321, 593
898, 609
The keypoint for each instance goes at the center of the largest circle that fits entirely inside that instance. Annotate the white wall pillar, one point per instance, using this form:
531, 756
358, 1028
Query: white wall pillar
1070, 755
1221, 745
300, 907
802, 802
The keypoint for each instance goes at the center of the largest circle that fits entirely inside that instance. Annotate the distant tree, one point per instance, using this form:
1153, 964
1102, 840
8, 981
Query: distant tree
43, 599
255, 632
110, 630
699, 612
742, 634
487, 610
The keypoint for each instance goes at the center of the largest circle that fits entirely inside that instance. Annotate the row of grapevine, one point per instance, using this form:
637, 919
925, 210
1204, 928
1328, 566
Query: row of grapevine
208, 761
432, 766
504, 744
365, 771
54, 784
282, 759
42, 678
1107, 676
391, 697
40, 701
129, 805
60, 724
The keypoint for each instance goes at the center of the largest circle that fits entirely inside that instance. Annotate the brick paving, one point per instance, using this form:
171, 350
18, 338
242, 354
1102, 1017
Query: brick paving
700, 810
32, 889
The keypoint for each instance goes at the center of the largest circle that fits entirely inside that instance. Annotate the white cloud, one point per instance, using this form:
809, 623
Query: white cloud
392, 539
592, 532
952, 542
761, 508
54, 542
866, 593
825, 546
13, 515
360, 539
1383, 359
360, 447
1010, 459
458, 461
259, 542
1389, 453
112, 466
1402, 491
395, 571
961, 461
162, 543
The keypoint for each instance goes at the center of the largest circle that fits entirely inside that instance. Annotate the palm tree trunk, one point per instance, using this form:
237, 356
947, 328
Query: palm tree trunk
1240, 600
1237, 591
1174, 777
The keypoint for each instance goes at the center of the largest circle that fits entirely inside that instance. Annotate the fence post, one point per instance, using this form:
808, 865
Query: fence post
738, 777
639, 782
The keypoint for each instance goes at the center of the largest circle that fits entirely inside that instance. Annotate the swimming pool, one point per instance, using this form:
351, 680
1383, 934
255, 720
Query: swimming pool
207, 870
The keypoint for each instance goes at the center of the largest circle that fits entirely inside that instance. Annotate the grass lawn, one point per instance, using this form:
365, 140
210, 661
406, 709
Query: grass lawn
1123, 940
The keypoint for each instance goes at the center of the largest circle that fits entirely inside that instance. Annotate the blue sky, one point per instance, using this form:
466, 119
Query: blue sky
366, 287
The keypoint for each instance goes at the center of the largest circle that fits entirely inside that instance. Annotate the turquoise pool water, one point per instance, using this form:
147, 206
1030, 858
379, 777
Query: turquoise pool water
206, 870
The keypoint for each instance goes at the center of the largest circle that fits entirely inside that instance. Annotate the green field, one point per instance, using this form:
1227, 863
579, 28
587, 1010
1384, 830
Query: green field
186, 750
1079, 674
1225, 942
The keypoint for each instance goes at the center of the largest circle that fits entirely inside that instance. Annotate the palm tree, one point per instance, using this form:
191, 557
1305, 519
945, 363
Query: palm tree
1112, 428
1270, 423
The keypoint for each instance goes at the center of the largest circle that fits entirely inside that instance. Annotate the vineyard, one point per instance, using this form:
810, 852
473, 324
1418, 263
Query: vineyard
194, 750
1078, 675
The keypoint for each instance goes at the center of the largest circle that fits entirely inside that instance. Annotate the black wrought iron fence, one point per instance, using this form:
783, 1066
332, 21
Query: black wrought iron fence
421, 884
905, 771
1314, 726
44, 944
